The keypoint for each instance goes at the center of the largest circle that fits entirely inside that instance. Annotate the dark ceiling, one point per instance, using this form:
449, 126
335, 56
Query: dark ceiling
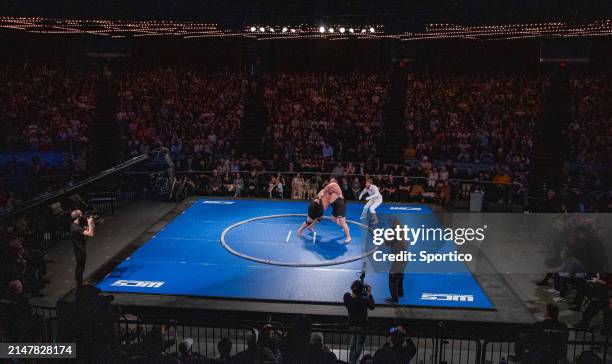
396, 15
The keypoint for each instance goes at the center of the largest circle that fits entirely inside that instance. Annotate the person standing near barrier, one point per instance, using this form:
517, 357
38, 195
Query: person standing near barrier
77, 234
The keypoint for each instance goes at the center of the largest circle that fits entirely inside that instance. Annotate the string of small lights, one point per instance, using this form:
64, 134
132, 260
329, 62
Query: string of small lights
514, 31
189, 29
328, 31
114, 28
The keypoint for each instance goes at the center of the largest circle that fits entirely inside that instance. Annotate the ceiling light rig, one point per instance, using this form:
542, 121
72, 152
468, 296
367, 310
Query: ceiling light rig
513, 31
116, 28
319, 31
335, 31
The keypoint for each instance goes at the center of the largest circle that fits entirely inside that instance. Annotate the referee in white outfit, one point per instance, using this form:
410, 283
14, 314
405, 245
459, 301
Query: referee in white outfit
374, 200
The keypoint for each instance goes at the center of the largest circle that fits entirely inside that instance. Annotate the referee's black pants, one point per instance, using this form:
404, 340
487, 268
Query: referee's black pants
80, 255
396, 285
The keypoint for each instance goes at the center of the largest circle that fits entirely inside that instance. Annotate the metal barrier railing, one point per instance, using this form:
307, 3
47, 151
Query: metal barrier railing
47, 318
432, 343
44, 230
132, 332
460, 188
579, 342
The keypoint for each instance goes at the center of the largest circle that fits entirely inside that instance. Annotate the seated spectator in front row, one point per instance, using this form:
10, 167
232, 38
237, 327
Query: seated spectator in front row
186, 354
570, 271
547, 339
402, 346
319, 353
154, 350
296, 344
17, 319
258, 350
598, 288
225, 349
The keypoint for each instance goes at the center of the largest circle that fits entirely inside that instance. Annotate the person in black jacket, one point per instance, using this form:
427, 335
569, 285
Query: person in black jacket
547, 339
358, 302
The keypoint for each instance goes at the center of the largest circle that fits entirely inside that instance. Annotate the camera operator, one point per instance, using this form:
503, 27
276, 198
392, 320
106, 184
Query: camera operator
78, 232
358, 302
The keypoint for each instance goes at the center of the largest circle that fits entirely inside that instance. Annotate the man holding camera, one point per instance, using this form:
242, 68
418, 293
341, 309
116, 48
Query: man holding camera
78, 232
358, 302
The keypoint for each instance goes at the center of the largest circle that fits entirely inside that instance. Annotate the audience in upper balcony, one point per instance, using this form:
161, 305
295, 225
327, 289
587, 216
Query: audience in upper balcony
334, 117
45, 108
314, 119
590, 120
195, 115
471, 118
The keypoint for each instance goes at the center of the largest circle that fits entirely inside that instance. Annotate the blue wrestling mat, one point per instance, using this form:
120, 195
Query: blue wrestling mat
249, 249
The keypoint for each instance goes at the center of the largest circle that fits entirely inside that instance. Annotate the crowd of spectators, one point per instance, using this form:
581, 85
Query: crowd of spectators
590, 126
420, 181
473, 118
194, 114
318, 122
45, 108
335, 117
22, 276
269, 344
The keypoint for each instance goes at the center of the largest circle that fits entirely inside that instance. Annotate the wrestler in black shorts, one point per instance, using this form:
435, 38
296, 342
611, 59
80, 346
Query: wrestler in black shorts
315, 209
339, 208
315, 214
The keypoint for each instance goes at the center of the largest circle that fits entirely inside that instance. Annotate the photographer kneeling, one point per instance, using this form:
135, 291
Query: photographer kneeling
358, 302
77, 234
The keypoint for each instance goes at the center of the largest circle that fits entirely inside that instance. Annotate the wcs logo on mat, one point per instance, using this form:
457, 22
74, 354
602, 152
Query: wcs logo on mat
405, 208
218, 202
138, 284
447, 297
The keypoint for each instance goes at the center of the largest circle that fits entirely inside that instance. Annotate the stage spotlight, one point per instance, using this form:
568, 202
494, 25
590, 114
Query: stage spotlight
253, 29
342, 30
262, 29
272, 30
292, 30
331, 30
322, 30
284, 29
351, 30
363, 30
371, 30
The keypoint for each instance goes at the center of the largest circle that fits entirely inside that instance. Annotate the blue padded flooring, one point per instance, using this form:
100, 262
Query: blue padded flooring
187, 258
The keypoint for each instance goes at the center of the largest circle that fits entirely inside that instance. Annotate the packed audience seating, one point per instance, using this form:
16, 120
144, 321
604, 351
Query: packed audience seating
45, 108
473, 118
317, 123
337, 117
195, 115
590, 120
